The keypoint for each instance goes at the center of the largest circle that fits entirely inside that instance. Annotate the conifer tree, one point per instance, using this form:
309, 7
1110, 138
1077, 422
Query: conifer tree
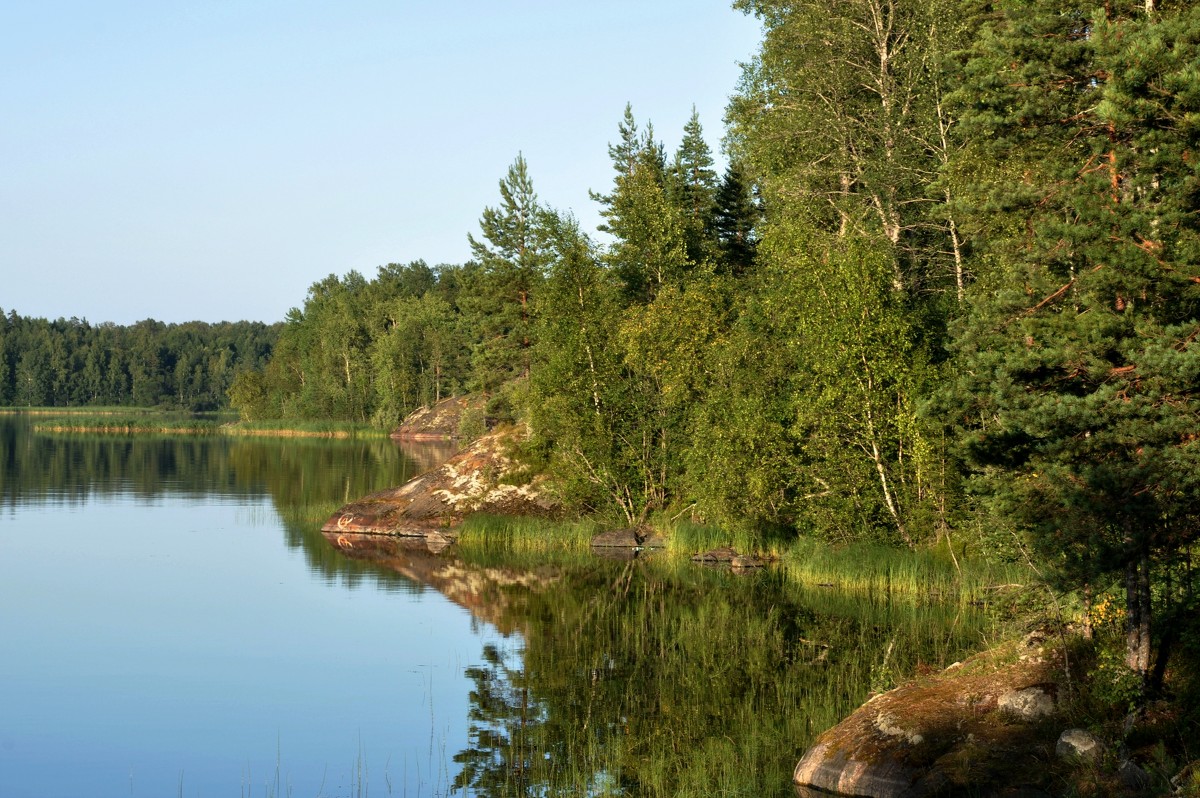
692, 185
735, 218
512, 261
1079, 368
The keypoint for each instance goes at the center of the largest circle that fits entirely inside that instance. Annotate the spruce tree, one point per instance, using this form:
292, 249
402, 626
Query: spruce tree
692, 186
736, 216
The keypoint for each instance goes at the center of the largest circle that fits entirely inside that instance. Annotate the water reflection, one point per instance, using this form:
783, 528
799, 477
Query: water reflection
175, 624
658, 678
306, 479
587, 677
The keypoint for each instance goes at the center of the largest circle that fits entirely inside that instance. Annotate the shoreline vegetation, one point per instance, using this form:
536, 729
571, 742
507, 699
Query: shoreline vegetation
857, 568
151, 421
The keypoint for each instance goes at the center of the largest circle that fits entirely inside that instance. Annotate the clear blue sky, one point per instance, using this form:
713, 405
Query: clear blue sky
211, 159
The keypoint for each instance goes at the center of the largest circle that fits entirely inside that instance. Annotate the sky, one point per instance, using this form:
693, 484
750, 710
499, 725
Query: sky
212, 159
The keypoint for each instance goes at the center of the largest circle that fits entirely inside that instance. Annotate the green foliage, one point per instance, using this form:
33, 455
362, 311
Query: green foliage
1077, 367
512, 262
368, 351
71, 363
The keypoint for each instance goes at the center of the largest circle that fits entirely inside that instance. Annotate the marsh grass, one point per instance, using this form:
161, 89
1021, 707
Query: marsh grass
140, 421
310, 429
923, 575
688, 538
122, 424
875, 569
513, 536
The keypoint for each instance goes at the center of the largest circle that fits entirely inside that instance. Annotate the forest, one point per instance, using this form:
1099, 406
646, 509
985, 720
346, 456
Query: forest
71, 363
946, 292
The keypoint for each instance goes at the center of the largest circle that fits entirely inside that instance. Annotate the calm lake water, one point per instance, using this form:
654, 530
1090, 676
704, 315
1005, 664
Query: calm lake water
174, 623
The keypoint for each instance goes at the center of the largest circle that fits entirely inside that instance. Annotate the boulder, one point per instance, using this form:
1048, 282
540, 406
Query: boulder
1078, 745
1028, 703
627, 543
970, 729
627, 538
1134, 777
722, 555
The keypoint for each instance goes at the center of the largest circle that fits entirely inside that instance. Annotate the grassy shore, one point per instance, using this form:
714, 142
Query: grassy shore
927, 575
136, 421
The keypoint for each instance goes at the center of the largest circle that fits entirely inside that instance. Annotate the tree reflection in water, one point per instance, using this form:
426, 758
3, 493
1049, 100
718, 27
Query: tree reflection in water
663, 679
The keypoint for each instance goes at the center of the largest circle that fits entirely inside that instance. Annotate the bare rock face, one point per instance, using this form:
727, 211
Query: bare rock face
438, 422
947, 734
438, 500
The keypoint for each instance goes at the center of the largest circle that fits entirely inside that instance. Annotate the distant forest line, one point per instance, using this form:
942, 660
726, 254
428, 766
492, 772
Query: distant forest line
71, 363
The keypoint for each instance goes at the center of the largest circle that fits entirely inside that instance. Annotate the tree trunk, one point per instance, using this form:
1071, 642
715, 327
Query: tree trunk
1137, 611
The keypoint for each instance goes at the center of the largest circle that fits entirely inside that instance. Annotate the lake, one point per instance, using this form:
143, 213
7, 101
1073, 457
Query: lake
175, 624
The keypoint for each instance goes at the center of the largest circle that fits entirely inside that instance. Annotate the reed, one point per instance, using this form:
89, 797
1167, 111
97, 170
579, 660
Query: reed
688, 538
125, 423
513, 536
875, 569
306, 429
138, 421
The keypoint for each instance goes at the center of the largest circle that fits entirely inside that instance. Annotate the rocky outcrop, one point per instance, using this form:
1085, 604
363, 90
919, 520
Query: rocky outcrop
438, 422
978, 727
479, 479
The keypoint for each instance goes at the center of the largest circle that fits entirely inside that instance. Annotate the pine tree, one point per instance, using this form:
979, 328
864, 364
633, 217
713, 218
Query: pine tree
512, 263
1079, 369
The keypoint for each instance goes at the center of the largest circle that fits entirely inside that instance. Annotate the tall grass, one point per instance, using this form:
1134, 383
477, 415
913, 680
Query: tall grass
127, 421
320, 428
122, 424
922, 575
511, 538
879, 570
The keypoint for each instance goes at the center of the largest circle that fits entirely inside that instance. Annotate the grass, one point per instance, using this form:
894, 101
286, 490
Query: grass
124, 424
875, 569
508, 536
306, 429
133, 421
926, 575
